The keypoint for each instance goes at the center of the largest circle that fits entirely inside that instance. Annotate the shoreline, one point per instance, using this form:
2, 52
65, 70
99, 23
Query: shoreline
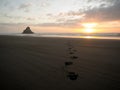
65, 36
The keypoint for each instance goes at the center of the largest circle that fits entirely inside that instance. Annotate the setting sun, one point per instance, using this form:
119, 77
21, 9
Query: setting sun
89, 27
89, 30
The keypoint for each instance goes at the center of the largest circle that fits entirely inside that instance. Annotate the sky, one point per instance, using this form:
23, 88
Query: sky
60, 16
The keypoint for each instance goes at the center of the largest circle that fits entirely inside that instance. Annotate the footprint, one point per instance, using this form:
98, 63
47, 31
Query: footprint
72, 75
71, 53
68, 63
69, 48
74, 50
74, 57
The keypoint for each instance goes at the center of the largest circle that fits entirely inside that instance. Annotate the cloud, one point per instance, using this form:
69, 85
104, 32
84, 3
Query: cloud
69, 23
103, 13
4, 2
65, 19
110, 13
12, 24
44, 4
50, 24
25, 7
50, 15
11, 16
31, 19
108, 10
73, 13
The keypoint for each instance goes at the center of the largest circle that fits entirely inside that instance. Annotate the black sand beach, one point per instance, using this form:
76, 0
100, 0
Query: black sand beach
39, 63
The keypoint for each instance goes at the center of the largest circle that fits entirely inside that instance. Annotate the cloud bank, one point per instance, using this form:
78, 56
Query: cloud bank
56, 13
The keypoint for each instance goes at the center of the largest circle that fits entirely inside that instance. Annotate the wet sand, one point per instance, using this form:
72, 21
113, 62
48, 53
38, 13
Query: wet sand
39, 63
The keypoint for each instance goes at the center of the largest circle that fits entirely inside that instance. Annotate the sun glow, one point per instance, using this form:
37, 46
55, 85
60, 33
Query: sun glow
89, 27
89, 30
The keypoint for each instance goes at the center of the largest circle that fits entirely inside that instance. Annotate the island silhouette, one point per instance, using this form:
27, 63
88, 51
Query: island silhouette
27, 31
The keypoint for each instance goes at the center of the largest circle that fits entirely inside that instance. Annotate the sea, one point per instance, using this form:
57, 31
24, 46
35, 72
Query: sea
70, 35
